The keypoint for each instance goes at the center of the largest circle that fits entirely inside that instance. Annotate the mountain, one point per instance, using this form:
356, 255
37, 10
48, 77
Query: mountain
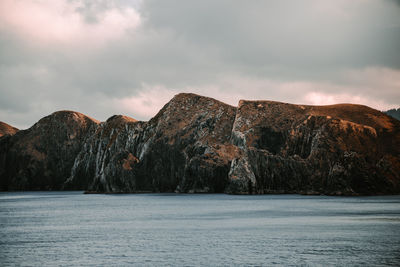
7, 129
185, 147
197, 144
41, 157
395, 113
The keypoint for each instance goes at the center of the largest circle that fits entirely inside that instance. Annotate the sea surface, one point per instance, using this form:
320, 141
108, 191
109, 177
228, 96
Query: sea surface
73, 229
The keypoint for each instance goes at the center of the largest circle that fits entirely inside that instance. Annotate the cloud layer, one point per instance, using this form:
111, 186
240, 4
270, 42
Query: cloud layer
131, 57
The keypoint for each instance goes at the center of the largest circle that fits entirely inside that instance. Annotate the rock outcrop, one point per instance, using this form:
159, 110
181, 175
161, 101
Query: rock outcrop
197, 144
184, 148
339, 149
6, 129
41, 157
105, 162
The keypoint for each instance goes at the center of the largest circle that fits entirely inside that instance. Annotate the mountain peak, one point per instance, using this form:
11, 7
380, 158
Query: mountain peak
67, 114
120, 118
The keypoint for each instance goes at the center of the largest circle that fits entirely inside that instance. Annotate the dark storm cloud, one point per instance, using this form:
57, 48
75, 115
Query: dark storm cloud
106, 57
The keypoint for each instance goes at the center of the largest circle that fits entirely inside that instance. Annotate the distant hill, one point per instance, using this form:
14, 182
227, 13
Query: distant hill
395, 113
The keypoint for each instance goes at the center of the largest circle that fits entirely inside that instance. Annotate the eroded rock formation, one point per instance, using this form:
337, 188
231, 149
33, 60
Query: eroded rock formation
198, 144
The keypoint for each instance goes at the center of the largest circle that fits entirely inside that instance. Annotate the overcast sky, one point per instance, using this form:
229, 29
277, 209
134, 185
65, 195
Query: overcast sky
130, 57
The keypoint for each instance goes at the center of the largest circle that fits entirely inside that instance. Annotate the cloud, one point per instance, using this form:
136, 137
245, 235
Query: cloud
318, 98
63, 22
147, 103
358, 87
130, 57
280, 37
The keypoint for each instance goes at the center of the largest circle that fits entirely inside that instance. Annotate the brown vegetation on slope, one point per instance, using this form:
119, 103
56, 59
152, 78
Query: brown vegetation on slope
7, 129
42, 156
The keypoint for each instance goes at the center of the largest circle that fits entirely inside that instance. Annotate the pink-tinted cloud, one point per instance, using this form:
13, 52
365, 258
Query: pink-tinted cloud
146, 104
320, 98
49, 22
308, 52
230, 89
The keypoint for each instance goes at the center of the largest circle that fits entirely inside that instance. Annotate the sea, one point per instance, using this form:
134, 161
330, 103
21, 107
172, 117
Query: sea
76, 229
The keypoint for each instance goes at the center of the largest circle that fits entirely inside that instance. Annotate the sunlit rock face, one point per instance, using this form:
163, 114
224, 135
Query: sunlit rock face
41, 157
197, 144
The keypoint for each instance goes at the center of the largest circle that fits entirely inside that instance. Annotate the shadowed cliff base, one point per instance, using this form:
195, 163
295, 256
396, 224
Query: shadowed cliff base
197, 144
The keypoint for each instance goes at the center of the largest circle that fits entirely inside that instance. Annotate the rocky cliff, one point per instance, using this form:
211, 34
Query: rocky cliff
185, 148
198, 144
339, 149
105, 161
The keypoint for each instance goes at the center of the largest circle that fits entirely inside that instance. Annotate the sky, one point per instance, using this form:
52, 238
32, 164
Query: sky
131, 57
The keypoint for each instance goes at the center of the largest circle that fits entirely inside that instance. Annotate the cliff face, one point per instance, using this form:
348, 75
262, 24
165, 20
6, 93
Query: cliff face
198, 144
105, 161
339, 149
185, 148
41, 157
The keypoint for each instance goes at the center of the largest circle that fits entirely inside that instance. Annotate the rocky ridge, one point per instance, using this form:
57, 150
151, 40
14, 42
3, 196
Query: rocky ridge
197, 144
